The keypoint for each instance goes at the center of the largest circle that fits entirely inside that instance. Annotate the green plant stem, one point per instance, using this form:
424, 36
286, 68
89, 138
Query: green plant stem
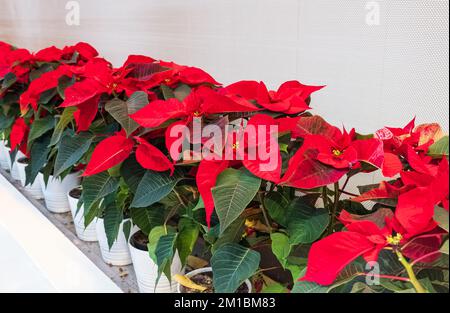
180, 198
345, 183
348, 193
334, 208
325, 196
409, 270
263, 209
262, 270
169, 216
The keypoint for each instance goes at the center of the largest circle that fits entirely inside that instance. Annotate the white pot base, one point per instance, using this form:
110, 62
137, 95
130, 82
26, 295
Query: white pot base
55, 193
84, 233
35, 189
147, 272
119, 254
13, 168
5, 162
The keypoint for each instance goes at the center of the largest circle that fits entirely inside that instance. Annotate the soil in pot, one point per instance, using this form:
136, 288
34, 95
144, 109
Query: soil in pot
75, 193
139, 240
23, 161
206, 280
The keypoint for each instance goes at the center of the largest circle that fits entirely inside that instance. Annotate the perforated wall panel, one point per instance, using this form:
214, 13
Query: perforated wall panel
383, 61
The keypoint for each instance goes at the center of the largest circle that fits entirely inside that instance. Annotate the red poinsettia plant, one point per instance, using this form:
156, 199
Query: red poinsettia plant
414, 223
248, 172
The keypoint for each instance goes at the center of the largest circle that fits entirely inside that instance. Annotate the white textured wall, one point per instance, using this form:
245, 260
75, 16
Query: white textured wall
376, 74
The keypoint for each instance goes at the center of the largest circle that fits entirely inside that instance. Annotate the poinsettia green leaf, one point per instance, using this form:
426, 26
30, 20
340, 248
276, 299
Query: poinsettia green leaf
153, 187
40, 127
71, 150
153, 238
426, 283
97, 187
360, 287
113, 217
167, 92
115, 170
354, 207
8, 80
119, 111
7, 102
232, 264
441, 217
63, 83
92, 213
396, 286
164, 252
5, 121
308, 287
43, 68
127, 229
137, 101
305, 223
132, 172
439, 148
148, 218
233, 233
234, 191
281, 247
46, 96
38, 158
182, 91
188, 232
444, 248
64, 120
274, 288
200, 204
277, 205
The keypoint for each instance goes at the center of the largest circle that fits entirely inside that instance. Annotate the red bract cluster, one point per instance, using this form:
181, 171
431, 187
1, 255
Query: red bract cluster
243, 152
423, 184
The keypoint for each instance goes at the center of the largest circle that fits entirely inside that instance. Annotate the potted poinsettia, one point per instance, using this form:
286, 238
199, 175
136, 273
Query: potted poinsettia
15, 68
8, 111
173, 164
409, 225
138, 153
239, 175
313, 156
25, 79
49, 128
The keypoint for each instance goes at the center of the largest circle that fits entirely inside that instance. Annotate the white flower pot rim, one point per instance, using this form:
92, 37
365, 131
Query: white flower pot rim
75, 188
147, 272
23, 160
34, 190
209, 270
84, 233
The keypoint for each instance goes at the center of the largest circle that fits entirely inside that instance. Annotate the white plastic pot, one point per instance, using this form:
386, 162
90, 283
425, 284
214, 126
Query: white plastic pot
4, 156
15, 174
35, 189
119, 254
84, 233
147, 272
209, 270
55, 192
